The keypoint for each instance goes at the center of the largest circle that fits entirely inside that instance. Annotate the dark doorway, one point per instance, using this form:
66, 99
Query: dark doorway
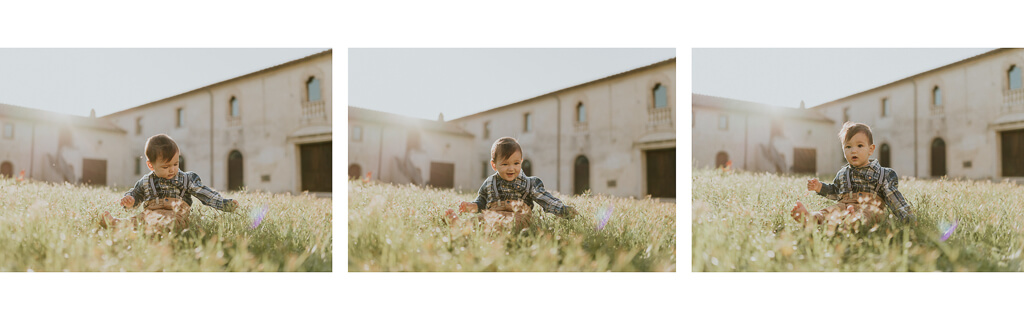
316, 166
938, 157
884, 156
1013, 153
805, 160
442, 175
721, 159
527, 168
355, 171
661, 173
6, 169
236, 172
581, 175
94, 171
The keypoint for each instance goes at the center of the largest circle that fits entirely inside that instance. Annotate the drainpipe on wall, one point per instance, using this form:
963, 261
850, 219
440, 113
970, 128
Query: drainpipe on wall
32, 153
914, 82
212, 176
558, 144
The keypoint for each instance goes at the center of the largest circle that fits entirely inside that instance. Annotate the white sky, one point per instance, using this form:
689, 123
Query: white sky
784, 77
73, 81
458, 82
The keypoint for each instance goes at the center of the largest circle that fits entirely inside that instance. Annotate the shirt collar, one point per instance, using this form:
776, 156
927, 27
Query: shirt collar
872, 163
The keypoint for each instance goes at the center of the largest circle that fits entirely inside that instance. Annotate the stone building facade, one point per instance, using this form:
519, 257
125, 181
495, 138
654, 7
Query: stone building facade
403, 150
965, 119
269, 130
614, 135
757, 137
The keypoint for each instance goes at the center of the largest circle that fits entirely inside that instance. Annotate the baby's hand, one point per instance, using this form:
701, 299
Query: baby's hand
814, 185
467, 207
231, 206
127, 202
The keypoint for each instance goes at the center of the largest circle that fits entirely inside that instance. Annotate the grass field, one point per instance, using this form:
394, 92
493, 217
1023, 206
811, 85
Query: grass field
741, 222
400, 228
55, 227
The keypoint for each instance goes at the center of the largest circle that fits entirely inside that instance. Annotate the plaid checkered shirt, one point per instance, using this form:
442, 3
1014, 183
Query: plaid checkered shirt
866, 179
185, 185
517, 190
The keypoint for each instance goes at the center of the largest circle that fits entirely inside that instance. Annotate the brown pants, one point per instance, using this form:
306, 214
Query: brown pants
867, 208
158, 215
514, 213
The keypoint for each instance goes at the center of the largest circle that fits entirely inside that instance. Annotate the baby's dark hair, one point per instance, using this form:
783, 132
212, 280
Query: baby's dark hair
851, 129
504, 148
160, 147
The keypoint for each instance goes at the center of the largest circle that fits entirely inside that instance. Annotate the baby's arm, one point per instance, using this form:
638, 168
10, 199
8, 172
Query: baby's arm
134, 196
481, 199
831, 190
208, 196
550, 203
894, 199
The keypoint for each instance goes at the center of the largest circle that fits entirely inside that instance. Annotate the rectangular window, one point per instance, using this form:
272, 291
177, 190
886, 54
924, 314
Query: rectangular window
138, 165
180, 117
723, 122
846, 114
885, 107
138, 125
487, 130
487, 165
526, 122
357, 133
8, 131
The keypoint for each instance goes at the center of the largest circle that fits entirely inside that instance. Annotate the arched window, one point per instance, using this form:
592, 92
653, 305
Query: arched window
581, 113
527, 168
313, 89
721, 159
354, 171
1013, 75
7, 169
938, 157
660, 96
883, 155
235, 172
937, 96
235, 109
581, 175
181, 163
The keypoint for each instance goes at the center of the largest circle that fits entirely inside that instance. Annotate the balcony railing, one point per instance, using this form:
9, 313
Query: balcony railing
1013, 101
658, 116
314, 111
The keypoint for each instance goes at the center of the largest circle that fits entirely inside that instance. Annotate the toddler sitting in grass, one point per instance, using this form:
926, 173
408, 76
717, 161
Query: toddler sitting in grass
509, 194
167, 192
860, 187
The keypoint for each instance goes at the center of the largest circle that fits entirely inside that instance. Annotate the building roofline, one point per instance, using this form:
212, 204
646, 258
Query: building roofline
387, 118
265, 70
955, 63
38, 115
620, 74
702, 100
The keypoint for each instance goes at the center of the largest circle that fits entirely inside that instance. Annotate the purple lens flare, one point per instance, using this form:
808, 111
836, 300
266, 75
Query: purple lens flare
257, 215
949, 231
603, 215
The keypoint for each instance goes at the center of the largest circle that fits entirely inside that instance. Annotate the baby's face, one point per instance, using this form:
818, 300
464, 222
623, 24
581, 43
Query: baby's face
165, 168
508, 169
858, 149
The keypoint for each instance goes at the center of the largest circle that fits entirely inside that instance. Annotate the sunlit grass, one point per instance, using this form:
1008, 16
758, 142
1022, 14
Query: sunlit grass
55, 227
741, 222
400, 228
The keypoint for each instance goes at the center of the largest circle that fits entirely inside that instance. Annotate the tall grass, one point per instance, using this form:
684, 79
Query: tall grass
400, 228
741, 222
55, 227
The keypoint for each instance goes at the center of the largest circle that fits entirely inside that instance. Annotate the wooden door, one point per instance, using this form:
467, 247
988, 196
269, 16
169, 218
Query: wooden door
661, 173
442, 175
6, 169
938, 157
721, 159
581, 175
805, 160
94, 171
1013, 153
354, 171
236, 171
316, 166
